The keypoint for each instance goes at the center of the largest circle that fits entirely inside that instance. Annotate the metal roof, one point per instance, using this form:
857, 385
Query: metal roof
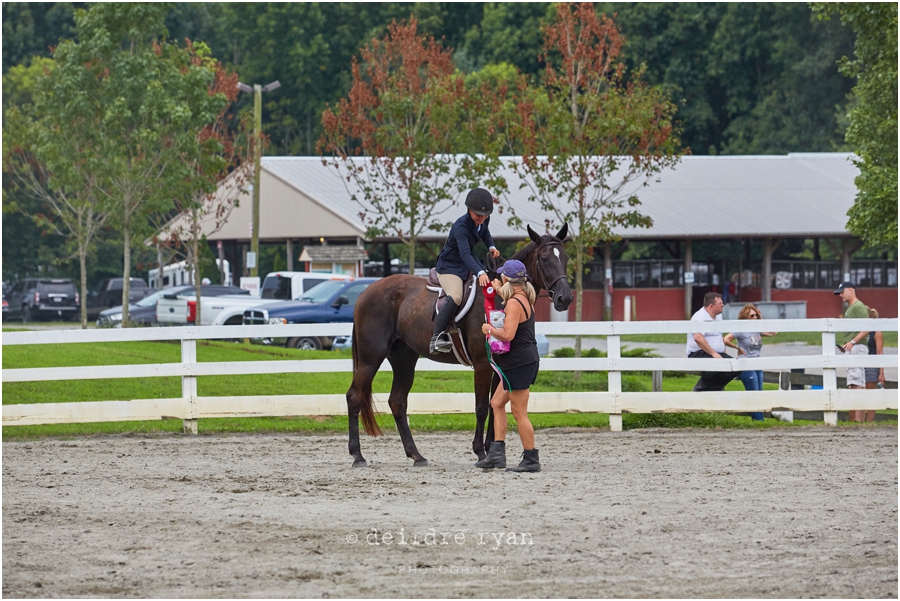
794, 195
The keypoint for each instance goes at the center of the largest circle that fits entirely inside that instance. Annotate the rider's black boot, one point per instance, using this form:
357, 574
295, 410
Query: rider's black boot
439, 343
530, 463
496, 456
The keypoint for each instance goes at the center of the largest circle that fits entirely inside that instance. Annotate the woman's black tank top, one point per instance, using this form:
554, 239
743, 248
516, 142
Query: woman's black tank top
523, 348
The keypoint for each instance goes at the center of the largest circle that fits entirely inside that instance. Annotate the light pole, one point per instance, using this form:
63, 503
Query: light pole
257, 119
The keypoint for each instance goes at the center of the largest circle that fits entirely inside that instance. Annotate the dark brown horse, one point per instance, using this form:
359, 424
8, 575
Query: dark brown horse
392, 320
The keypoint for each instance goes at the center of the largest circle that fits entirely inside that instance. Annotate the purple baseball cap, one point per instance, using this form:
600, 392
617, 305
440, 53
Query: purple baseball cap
512, 269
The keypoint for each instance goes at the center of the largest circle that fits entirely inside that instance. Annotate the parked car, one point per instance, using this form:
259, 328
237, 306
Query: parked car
229, 310
329, 302
109, 294
5, 307
288, 285
143, 312
39, 298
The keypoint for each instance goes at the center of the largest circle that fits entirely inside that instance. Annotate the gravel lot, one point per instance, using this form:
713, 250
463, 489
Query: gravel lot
808, 512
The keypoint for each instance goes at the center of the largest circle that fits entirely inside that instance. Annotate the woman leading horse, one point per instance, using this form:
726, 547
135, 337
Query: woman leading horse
393, 320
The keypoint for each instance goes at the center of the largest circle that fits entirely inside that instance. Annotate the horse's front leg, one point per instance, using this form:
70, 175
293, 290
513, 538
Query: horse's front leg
483, 375
403, 361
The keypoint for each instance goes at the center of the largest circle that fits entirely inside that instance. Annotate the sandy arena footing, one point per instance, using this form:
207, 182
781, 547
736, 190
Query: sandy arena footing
788, 512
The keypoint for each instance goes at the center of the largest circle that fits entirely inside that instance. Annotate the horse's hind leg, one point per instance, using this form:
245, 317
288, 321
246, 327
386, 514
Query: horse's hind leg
403, 361
358, 397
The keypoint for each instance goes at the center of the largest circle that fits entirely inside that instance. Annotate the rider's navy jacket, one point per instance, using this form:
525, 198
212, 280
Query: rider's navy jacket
456, 258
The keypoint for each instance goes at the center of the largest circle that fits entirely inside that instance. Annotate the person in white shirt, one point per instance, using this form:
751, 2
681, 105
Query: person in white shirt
709, 345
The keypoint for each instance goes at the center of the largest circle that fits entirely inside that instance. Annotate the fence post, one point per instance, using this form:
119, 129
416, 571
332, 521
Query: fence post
657, 381
614, 379
829, 377
189, 383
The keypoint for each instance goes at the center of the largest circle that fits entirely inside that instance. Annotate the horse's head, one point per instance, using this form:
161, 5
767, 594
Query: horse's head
549, 266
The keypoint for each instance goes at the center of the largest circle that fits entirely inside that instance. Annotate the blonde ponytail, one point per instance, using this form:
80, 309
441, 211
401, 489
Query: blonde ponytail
507, 291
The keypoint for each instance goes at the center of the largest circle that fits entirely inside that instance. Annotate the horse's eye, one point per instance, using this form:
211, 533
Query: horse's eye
544, 259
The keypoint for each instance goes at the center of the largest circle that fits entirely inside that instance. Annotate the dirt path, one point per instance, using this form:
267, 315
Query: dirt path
806, 512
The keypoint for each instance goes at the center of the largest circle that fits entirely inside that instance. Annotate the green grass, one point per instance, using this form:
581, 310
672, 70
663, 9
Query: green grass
124, 353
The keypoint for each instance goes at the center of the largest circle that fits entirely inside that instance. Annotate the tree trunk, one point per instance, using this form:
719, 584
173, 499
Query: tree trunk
579, 291
412, 255
579, 296
195, 249
126, 275
82, 264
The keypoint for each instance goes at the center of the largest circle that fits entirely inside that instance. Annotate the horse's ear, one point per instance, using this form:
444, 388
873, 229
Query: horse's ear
531, 234
563, 232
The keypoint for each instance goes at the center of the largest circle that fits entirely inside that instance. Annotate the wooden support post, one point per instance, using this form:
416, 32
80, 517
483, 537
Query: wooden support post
607, 282
189, 384
290, 254
829, 376
614, 377
657, 381
688, 287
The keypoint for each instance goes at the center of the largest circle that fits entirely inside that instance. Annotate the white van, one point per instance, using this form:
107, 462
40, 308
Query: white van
180, 273
291, 285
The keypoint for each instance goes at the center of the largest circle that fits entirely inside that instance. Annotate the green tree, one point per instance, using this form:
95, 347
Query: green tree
32, 28
395, 138
216, 176
44, 157
146, 100
872, 133
591, 137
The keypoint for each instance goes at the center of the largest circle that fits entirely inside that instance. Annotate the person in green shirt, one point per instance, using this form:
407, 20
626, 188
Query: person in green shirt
856, 376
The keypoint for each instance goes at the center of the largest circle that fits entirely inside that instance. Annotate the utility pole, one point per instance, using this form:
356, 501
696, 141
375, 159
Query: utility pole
257, 156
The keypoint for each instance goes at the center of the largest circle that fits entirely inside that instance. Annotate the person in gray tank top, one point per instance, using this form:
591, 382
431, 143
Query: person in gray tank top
749, 344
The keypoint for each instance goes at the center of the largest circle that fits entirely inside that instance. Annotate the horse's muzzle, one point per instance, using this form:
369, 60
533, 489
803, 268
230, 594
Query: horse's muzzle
562, 299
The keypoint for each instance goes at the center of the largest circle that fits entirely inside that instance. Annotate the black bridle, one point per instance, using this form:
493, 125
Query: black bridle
493, 264
537, 266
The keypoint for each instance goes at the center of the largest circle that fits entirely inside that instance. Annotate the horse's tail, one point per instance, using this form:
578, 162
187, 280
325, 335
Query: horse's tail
366, 402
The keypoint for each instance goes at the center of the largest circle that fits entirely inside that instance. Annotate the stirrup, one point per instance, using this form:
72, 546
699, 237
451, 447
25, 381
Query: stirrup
440, 343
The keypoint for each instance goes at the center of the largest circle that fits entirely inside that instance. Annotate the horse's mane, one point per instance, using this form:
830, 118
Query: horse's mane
526, 250
530, 247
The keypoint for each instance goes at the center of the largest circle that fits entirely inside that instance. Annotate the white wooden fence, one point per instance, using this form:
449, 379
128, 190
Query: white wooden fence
190, 407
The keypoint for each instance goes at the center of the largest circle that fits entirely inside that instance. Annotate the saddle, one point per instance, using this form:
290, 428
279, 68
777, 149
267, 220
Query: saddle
468, 299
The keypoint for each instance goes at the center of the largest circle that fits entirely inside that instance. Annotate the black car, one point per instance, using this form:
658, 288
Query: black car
39, 298
143, 312
109, 294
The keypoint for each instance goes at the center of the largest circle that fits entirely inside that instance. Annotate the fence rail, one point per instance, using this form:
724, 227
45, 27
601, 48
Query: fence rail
190, 407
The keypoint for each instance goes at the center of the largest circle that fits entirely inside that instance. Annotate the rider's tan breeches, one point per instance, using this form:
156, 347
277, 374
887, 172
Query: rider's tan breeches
452, 285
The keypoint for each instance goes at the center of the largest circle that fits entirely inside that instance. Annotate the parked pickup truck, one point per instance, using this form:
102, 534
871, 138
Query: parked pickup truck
228, 310
291, 285
329, 302
109, 294
181, 309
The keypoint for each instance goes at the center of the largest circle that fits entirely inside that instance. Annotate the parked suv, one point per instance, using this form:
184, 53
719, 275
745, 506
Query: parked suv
39, 298
109, 294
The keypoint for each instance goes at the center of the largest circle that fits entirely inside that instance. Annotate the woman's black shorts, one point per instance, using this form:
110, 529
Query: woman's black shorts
520, 378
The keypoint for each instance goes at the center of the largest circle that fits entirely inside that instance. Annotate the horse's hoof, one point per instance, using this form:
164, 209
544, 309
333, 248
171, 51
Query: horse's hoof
360, 463
421, 463
481, 455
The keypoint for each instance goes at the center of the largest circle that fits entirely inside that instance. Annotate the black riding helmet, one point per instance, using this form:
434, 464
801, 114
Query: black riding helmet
480, 201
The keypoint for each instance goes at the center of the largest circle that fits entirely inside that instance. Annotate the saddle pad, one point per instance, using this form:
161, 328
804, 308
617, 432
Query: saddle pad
467, 301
